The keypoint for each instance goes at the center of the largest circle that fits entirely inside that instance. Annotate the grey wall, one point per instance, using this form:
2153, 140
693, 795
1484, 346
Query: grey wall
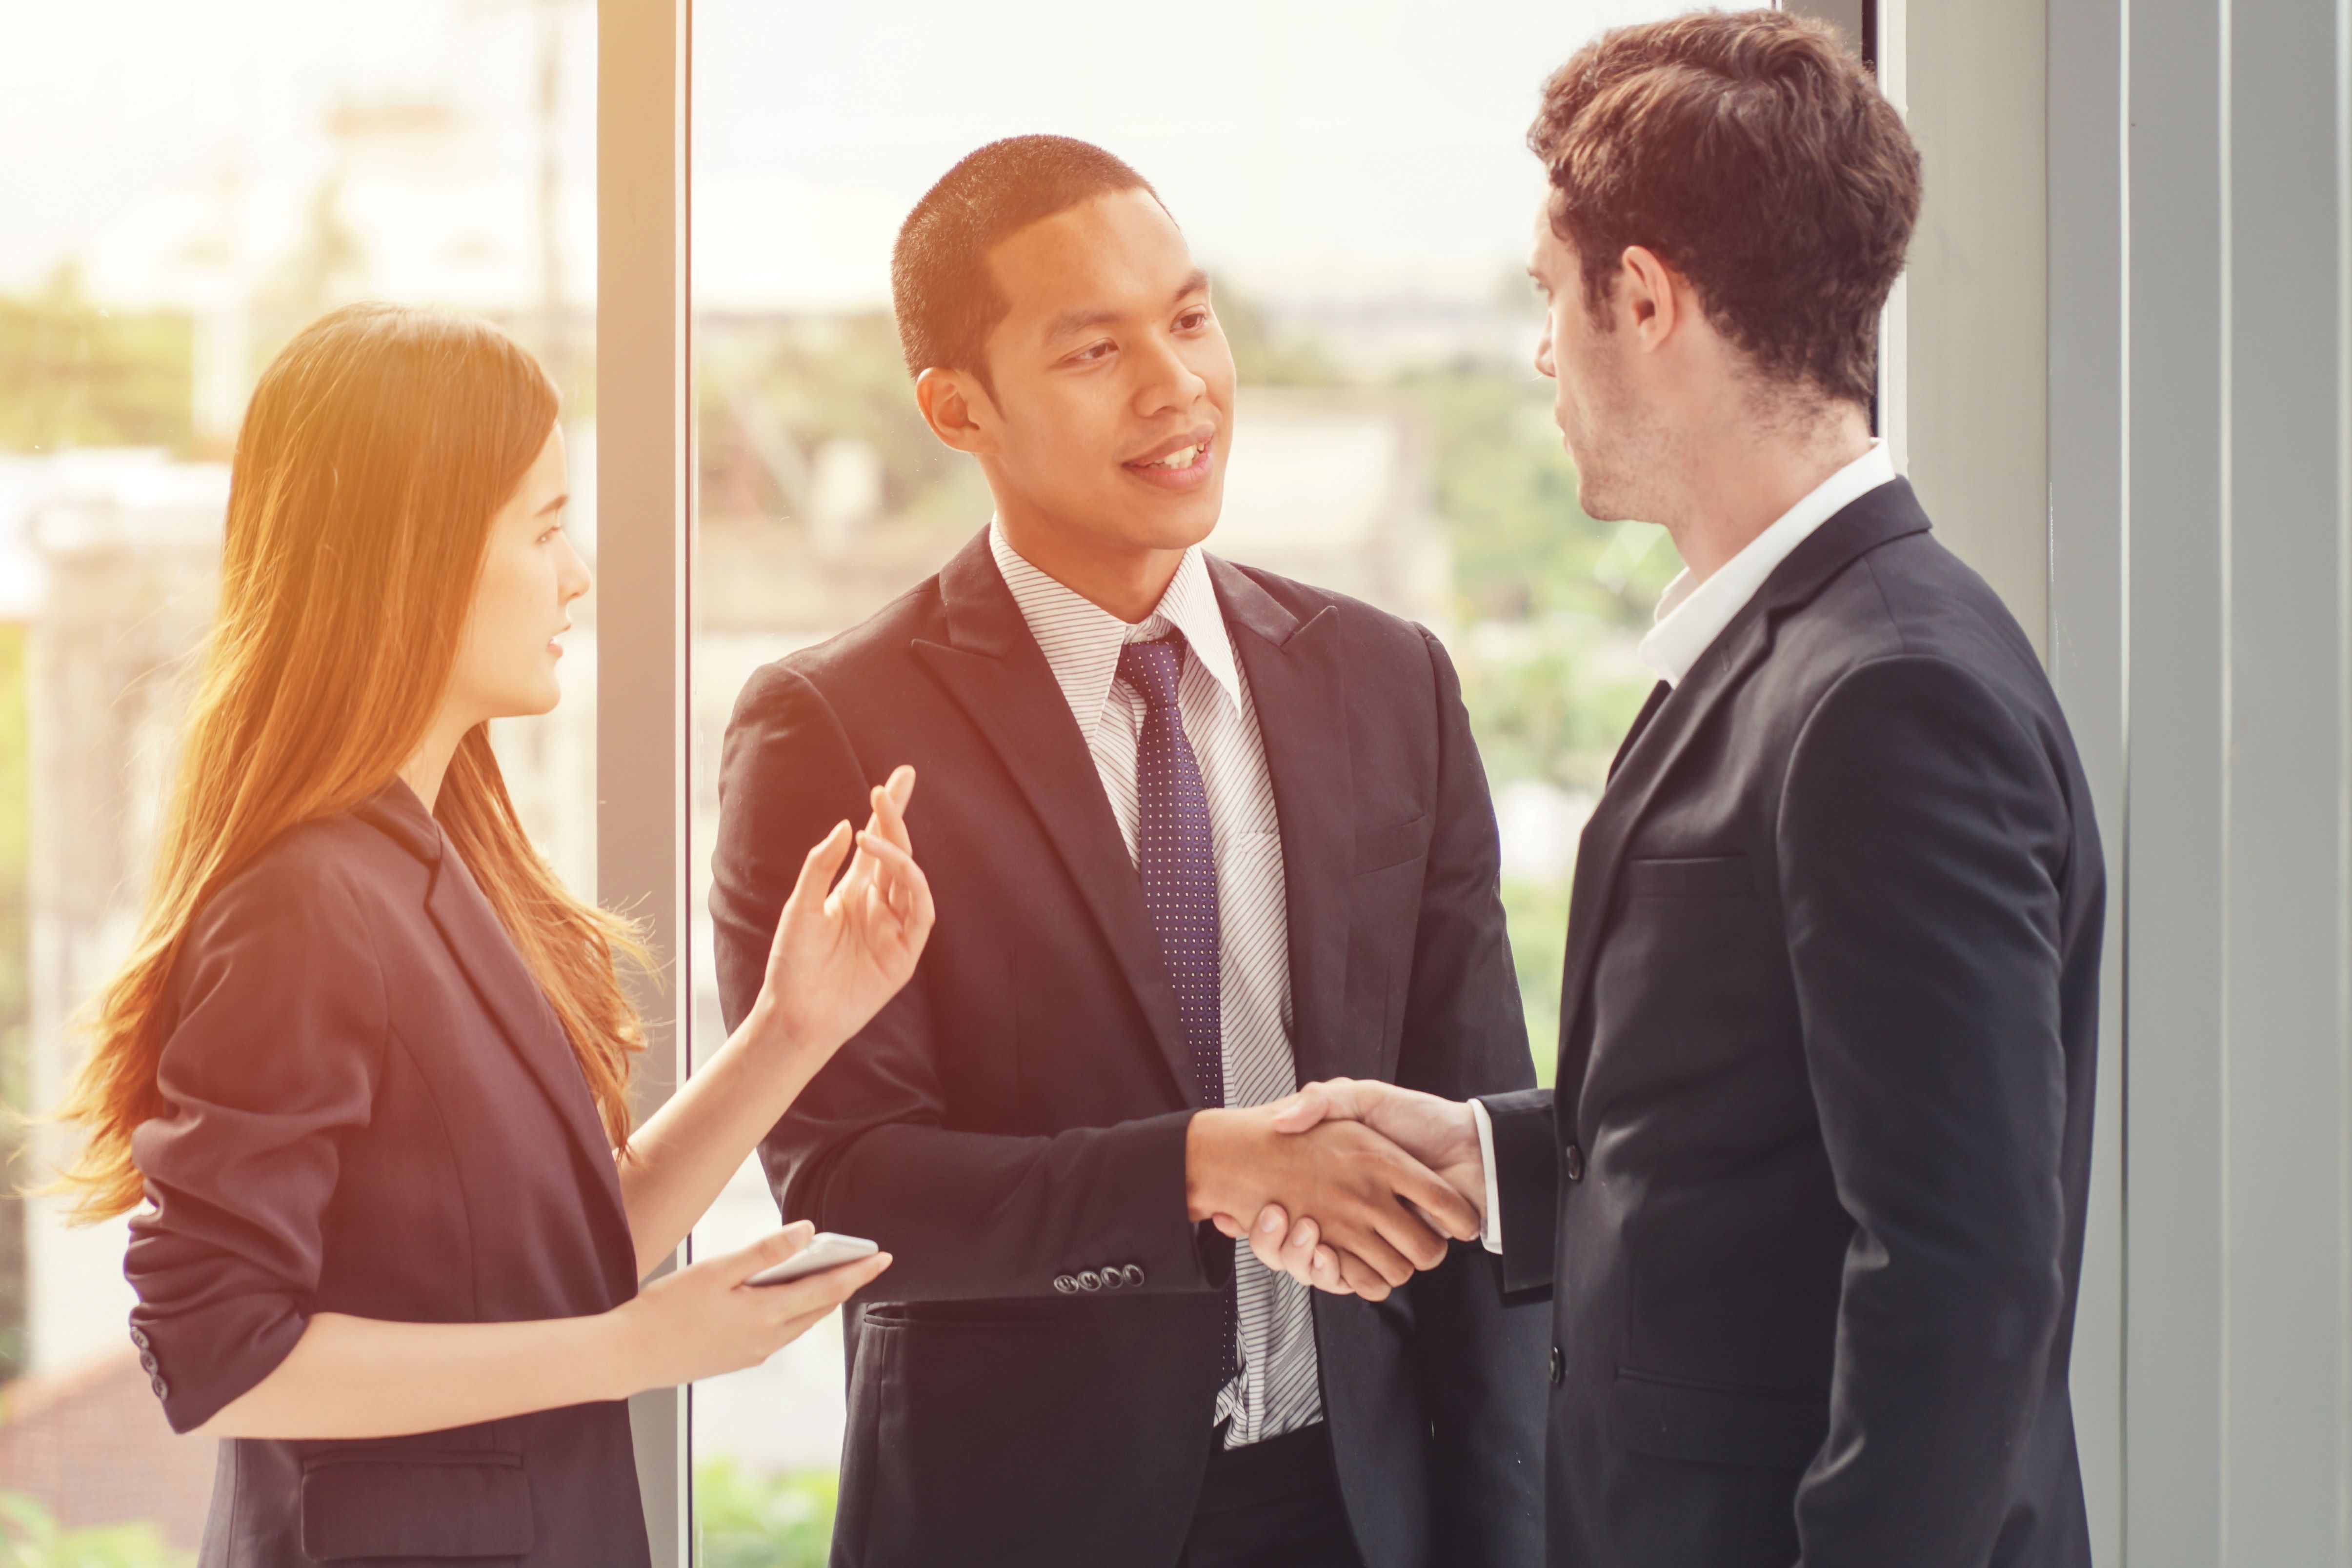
2198, 368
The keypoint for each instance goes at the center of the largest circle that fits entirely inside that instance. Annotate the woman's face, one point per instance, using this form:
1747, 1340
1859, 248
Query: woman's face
530, 576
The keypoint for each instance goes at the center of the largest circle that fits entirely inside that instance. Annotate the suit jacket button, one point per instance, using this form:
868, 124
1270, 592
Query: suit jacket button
162, 1390
1134, 1272
1572, 1159
1559, 1366
147, 1360
1113, 1278
1089, 1280
139, 1338
1066, 1284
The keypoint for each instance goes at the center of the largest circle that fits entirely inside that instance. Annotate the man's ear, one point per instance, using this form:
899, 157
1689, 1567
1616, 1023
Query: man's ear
948, 399
1652, 298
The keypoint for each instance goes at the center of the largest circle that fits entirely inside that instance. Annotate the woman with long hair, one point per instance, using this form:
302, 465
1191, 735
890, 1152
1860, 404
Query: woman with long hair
369, 1060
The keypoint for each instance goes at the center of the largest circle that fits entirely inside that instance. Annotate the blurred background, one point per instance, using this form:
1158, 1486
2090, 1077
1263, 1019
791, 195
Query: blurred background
185, 186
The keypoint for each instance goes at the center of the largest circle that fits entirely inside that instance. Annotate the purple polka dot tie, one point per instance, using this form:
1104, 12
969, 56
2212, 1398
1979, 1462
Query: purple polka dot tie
1179, 861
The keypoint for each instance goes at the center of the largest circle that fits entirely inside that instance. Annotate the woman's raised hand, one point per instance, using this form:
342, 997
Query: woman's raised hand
839, 955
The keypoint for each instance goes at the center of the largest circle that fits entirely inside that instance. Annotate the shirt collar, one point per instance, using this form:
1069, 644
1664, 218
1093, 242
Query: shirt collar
1692, 615
1081, 640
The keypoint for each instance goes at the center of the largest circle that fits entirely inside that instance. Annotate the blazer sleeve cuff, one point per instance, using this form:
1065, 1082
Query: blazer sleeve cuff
1524, 1177
199, 1362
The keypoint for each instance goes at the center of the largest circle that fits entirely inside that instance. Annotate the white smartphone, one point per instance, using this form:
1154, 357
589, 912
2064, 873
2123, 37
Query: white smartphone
825, 1250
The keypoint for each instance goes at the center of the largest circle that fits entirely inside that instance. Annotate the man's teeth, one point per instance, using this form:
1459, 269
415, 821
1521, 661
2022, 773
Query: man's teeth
1181, 457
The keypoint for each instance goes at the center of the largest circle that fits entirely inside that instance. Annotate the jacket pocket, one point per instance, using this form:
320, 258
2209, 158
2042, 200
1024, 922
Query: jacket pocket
441, 1505
1392, 844
1691, 877
1674, 1418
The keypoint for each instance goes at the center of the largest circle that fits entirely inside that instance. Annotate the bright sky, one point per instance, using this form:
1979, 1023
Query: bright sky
1369, 148
1370, 154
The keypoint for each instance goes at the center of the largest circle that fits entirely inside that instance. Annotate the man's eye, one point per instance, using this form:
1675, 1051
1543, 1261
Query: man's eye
1091, 352
1193, 319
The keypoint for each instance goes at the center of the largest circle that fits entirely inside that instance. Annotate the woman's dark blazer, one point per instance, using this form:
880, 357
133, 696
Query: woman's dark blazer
373, 1110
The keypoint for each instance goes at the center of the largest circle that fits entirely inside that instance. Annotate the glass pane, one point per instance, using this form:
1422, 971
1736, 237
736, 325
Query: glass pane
187, 187
1358, 185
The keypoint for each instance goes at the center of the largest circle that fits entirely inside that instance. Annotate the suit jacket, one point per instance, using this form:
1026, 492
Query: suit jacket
373, 1110
1018, 1113
1809, 1202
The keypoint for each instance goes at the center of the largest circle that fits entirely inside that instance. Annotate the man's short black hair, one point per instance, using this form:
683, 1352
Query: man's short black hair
947, 302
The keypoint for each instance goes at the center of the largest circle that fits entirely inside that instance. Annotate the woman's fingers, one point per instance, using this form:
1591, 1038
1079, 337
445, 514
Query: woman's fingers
823, 860
765, 1253
818, 1294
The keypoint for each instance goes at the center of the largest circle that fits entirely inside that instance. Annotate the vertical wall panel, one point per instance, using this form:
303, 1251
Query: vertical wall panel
644, 464
2176, 1179
2087, 270
2286, 1201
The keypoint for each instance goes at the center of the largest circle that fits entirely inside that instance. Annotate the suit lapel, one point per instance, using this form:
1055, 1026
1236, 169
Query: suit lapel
1672, 717
507, 991
1298, 684
994, 669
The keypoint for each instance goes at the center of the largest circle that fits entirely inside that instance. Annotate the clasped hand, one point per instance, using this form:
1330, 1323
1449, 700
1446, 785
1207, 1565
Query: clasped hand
1418, 1171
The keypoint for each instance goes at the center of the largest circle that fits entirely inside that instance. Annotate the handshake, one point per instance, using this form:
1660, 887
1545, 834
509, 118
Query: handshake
1348, 1185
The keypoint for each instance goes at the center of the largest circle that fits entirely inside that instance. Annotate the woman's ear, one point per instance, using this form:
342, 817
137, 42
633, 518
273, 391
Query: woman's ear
947, 398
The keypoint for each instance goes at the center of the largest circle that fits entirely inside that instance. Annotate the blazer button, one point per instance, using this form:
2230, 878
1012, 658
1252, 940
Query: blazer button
1089, 1280
1113, 1278
139, 1338
1066, 1284
1573, 1158
1559, 1366
1134, 1272
162, 1390
147, 1360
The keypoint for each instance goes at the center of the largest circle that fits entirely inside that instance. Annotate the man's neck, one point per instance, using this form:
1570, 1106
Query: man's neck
1736, 487
1127, 580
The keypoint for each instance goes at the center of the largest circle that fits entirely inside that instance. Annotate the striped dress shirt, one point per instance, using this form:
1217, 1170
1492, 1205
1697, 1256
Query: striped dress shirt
1277, 1390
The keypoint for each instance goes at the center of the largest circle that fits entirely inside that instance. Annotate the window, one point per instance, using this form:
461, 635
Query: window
187, 186
1362, 197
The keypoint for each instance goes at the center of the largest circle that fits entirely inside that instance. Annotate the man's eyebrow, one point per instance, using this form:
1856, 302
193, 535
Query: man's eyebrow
1080, 321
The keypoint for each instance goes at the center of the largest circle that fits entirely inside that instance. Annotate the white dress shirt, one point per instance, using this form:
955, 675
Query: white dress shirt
1690, 614
1277, 1389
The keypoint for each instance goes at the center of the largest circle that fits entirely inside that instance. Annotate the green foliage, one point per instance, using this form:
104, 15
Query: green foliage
1536, 913
1550, 699
742, 1519
72, 375
808, 381
31, 1537
1522, 546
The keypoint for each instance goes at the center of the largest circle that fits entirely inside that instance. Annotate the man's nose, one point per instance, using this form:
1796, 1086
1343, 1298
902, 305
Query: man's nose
1167, 379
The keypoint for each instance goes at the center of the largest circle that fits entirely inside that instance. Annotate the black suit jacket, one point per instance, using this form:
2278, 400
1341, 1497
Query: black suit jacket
1019, 1112
373, 1110
1809, 1199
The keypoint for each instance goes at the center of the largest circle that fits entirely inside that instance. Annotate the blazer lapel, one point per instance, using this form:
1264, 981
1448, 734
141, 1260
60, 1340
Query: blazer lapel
507, 989
992, 667
510, 995
1674, 716
1298, 683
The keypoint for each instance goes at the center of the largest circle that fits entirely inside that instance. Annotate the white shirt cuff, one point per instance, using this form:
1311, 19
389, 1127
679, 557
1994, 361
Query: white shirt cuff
1490, 1233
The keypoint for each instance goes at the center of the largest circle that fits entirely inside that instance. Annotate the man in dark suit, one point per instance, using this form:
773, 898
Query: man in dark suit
1204, 834
1809, 1198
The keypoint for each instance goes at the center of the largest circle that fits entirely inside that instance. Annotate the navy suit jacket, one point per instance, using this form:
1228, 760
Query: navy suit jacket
1809, 1200
1018, 1113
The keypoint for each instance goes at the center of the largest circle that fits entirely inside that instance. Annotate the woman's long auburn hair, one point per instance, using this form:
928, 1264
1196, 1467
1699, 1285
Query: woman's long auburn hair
377, 449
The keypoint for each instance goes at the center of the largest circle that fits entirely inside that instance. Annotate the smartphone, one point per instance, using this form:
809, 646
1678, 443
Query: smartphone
825, 1250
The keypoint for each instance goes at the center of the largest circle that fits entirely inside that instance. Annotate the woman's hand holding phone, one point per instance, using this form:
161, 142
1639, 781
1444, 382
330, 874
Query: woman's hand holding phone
707, 1320
839, 954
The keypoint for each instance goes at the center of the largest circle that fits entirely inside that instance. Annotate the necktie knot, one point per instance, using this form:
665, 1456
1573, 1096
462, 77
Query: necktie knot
1154, 669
